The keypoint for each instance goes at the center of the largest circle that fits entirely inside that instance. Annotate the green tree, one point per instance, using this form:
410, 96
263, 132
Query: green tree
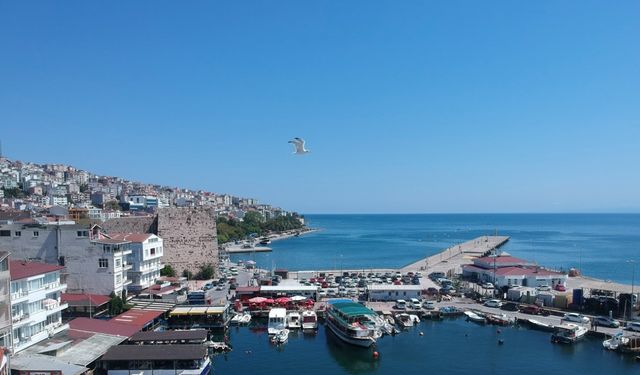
112, 205
116, 304
206, 272
167, 270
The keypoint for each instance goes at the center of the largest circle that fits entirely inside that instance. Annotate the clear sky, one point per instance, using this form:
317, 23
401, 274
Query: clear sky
425, 106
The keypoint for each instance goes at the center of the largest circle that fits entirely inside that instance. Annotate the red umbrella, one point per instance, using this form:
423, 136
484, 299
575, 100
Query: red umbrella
257, 300
283, 300
268, 301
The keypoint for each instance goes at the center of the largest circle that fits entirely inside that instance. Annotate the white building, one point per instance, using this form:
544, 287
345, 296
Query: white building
507, 271
56, 200
145, 258
386, 292
36, 311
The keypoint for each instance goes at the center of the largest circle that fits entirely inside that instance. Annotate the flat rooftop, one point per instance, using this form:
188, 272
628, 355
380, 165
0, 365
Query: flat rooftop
155, 352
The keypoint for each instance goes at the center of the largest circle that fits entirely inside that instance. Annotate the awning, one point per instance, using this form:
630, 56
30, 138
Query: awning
199, 310
216, 310
180, 311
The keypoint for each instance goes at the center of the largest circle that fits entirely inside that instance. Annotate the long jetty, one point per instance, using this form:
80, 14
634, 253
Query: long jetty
457, 255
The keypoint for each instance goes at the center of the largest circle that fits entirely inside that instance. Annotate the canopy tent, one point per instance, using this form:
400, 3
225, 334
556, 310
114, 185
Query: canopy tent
283, 300
298, 298
257, 300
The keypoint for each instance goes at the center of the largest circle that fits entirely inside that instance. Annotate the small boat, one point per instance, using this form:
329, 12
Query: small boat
615, 341
450, 311
265, 241
277, 320
245, 318
293, 320
414, 318
536, 324
568, 333
309, 320
473, 317
281, 337
499, 319
404, 320
236, 319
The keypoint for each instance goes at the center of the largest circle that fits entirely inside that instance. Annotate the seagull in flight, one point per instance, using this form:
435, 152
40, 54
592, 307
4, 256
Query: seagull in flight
298, 143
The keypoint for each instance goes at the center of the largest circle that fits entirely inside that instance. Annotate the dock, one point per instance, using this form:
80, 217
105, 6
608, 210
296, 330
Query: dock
254, 249
455, 256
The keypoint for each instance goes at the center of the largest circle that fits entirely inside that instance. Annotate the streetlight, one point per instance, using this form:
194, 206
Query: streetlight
633, 276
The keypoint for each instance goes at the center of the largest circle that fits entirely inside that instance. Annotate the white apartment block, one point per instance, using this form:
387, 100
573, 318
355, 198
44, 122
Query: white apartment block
145, 258
36, 311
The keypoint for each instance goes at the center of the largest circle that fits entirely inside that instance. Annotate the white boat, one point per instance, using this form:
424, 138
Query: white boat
474, 317
404, 320
280, 337
615, 341
353, 323
536, 324
568, 333
236, 319
277, 320
414, 318
293, 320
309, 320
246, 318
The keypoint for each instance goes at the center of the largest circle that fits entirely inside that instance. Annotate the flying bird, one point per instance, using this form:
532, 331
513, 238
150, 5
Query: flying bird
298, 143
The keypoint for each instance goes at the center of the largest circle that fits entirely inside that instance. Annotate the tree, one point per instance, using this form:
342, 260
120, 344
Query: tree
112, 206
206, 272
167, 270
116, 305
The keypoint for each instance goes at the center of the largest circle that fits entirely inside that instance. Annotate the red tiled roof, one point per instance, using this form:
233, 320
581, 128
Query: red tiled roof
20, 269
136, 317
502, 260
93, 299
108, 327
132, 237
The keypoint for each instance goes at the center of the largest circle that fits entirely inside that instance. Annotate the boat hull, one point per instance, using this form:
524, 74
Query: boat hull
362, 342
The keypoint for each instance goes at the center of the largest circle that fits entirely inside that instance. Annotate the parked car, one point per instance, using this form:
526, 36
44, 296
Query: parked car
509, 306
633, 326
560, 288
415, 304
487, 286
401, 304
432, 291
429, 305
493, 303
577, 318
605, 321
543, 288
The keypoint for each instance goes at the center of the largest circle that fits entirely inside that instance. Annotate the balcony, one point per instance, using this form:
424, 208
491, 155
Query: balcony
127, 266
38, 316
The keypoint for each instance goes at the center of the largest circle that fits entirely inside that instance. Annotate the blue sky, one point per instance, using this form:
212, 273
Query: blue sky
450, 106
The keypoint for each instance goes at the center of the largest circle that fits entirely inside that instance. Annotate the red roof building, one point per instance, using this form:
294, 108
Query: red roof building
20, 269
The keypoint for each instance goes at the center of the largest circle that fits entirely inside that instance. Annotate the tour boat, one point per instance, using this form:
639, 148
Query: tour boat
476, 318
309, 320
353, 323
277, 320
568, 333
280, 337
293, 320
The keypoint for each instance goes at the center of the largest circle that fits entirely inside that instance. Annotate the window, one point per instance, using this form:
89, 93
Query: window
5, 233
118, 263
18, 233
36, 233
83, 233
118, 279
103, 263
61, 261
153, 251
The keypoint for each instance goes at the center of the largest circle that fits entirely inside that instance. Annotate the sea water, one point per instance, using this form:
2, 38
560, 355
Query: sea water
599, 244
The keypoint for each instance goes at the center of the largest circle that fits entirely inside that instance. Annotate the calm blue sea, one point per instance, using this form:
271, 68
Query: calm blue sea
599, 244
450, 347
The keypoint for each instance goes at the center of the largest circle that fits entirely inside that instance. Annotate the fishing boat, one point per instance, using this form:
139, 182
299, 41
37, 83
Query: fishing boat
353, 323
474, 317
498, 319
265, 241
277, 320
615, 341
568, 333
536, 324
293, 320
404, 320
309, 320
280, 337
